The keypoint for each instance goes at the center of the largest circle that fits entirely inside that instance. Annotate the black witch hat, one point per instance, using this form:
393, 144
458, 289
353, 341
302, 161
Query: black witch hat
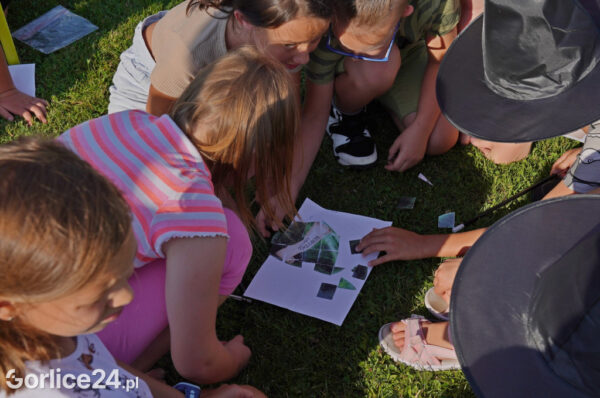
524, 71
525, 306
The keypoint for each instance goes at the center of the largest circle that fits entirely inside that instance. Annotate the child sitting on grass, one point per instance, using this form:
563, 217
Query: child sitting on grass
169, 48
236, 120
376, 49
66, 256
388, 50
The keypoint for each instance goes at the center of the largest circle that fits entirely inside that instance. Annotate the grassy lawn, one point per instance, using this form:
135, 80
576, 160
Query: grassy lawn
294, 355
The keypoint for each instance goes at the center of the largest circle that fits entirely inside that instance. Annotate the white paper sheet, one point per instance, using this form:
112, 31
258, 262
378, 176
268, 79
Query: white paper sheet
23, 76
296, 288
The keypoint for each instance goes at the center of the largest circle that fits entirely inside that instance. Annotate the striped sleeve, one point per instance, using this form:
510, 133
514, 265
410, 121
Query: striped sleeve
321, 67
195, 212
159, 172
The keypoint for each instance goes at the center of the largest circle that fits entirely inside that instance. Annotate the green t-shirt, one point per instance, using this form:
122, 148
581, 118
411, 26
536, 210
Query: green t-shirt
430, 18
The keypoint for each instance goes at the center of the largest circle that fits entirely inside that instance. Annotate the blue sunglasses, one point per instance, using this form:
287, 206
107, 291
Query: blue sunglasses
330, 47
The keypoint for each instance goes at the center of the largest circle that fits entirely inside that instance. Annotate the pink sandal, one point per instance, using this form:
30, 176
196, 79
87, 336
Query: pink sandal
416, 353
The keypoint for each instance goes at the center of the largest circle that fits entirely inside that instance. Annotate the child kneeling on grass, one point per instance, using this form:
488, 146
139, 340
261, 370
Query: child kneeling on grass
506, 84
236, 120
66, 256
390, 51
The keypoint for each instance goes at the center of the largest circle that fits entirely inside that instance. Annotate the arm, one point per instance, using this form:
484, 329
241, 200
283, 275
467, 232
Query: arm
410, 147
401, 244
158, 389
315, 114
194, 268
158, 103
14, 102
313, 122
162, 390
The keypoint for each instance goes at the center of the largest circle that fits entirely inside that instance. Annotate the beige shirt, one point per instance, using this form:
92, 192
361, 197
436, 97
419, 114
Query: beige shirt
182, 44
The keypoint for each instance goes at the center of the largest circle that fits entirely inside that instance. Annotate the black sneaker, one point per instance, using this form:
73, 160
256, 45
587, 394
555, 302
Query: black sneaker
352, 142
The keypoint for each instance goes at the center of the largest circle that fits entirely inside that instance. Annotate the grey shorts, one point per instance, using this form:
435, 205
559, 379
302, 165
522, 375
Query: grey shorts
131, 82
584, 175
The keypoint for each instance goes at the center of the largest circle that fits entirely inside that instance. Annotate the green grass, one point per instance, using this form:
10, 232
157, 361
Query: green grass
294, 355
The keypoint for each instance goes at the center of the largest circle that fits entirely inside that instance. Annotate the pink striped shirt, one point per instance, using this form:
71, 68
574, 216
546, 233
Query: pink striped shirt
160, 173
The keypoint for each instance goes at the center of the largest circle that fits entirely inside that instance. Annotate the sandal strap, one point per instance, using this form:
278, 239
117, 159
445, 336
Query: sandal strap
416, 350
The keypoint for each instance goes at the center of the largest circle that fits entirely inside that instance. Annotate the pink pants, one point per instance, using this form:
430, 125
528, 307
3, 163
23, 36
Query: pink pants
146, 316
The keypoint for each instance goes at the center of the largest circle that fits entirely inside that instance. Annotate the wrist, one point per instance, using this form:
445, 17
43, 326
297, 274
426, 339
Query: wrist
6, 88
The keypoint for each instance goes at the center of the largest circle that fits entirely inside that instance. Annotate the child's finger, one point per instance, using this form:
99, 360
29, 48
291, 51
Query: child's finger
380, 260
6, 114
27, 116
39, 113
43, 101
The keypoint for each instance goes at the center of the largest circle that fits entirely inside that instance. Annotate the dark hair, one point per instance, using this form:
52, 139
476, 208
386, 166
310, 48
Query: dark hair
366, 12
246, 103
267, 13
61, 222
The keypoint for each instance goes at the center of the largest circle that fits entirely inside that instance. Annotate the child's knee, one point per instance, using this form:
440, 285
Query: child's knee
374, 77
443, 137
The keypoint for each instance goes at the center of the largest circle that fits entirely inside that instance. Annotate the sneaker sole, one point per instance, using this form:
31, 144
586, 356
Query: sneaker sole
357, 163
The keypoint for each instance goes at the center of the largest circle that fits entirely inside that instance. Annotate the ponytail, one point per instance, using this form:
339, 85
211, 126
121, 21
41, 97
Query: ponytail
20, 343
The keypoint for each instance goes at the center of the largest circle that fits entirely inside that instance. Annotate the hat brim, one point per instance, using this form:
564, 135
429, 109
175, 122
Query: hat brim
492, 294
467, 102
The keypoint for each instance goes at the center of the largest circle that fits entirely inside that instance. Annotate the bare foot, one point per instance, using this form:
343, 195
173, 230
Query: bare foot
435, 333
464, 139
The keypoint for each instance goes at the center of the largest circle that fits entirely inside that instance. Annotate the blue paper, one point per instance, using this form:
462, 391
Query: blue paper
446, 220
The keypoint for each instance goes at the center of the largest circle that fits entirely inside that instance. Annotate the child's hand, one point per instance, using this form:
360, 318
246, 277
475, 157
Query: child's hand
233, 391
398, 243
265, 225
408, 149
444, 278
14, 102
239, 351
564, 163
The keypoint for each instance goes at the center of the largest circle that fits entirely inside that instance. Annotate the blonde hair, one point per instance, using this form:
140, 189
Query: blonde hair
246, 104
367, 12
60, 221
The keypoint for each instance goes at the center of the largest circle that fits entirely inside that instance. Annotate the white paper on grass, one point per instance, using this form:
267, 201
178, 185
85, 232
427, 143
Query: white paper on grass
23, 77
296, 288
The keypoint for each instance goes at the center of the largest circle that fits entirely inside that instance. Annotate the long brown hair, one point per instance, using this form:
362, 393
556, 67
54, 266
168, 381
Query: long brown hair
245, 105
267, 13
60, 224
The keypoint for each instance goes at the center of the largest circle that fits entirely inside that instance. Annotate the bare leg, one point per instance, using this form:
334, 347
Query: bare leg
363, 81
156, 350
443, 137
